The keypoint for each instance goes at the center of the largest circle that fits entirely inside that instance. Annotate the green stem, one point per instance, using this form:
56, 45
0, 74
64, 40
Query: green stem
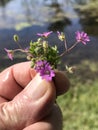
19, 45
65, 45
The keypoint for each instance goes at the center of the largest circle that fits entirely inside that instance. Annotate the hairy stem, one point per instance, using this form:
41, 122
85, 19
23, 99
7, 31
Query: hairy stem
66, 51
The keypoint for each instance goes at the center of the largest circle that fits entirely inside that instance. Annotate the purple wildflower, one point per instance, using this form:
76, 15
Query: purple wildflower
82, 37
9, 53
45, 70
45, 34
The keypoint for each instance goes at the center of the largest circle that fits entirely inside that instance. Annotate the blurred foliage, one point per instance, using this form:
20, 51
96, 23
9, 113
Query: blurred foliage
80, 104
89, 12
22, 25
4, 2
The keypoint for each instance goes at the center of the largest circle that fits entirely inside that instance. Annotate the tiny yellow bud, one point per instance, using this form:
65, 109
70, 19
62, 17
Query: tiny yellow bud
16, 38
70, 69
45, 44
62, 36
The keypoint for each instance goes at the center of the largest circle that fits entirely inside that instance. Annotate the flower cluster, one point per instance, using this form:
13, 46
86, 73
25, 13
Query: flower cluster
45, 58
44, 68
82, 37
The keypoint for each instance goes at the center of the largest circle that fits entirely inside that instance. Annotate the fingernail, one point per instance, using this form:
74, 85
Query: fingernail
36, 88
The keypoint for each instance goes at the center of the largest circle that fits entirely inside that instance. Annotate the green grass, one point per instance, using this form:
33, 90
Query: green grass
89, 12
80, 104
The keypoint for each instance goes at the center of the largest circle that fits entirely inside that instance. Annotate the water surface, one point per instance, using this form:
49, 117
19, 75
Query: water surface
27, 17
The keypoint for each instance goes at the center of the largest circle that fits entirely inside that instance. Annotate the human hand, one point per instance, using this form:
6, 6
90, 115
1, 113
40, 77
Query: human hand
27, 102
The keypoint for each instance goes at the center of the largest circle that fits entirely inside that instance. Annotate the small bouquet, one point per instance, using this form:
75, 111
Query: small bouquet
45, 58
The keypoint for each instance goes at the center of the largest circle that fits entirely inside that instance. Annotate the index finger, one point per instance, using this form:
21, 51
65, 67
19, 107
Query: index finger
14, 79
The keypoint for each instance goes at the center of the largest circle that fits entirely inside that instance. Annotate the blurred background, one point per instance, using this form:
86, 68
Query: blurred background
29, 17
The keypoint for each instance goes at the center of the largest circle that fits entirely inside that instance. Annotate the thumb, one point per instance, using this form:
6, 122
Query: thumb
29, 106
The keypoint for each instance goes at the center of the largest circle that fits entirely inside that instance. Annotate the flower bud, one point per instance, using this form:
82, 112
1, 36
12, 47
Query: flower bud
16, 38
71, 69
61, 36
45, 44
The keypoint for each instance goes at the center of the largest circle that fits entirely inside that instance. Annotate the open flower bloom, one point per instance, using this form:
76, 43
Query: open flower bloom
45, 34
45, 70
82, 37
61, 36
9, 53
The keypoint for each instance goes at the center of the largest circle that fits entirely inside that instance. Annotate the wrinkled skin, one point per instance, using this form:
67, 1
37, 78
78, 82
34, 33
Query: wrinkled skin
27, 102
